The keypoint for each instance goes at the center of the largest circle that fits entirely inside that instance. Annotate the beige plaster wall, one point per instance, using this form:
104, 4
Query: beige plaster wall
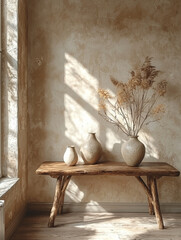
15, 198
74, 46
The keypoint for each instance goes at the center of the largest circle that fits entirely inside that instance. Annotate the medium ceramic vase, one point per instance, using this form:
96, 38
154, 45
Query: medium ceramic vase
70, 156
91, 150
133, 151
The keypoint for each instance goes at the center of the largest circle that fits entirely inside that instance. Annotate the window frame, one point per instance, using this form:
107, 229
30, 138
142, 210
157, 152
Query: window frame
0, 94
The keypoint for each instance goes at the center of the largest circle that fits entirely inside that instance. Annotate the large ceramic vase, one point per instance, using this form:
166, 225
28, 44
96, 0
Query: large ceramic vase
133, 151
70, 156
91, 150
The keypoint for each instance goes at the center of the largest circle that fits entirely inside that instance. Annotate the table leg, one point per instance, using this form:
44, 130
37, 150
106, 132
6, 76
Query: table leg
61, 203
151, 210
64, 185
153, 198
55, 202
156, 203
61, 185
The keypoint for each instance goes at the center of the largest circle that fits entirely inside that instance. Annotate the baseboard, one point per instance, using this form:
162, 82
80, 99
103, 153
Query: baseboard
104, 207
14, 224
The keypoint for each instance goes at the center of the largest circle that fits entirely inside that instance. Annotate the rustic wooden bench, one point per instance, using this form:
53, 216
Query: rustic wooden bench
152, 170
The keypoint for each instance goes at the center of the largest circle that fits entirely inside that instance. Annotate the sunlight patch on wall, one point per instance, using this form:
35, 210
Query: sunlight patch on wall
74, 193
78, 78
149, 142
78, 121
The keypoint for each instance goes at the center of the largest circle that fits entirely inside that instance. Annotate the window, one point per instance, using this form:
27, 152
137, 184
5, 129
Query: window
0, 95
9, 90
9, 95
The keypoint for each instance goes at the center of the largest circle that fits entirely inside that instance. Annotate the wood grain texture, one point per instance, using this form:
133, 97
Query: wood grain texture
158, 169
156, 203
145, 187
151, 210
65, 183
63, 174
62, 183
153, 199
55, 206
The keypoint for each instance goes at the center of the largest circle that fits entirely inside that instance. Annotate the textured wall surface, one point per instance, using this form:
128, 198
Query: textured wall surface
74, 46
15, 198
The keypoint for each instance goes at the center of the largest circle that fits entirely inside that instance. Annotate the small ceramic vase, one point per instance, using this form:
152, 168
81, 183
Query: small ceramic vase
70, 156
133, 151
91, 150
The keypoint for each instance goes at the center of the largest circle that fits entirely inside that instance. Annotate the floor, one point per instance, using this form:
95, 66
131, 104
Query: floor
99, 226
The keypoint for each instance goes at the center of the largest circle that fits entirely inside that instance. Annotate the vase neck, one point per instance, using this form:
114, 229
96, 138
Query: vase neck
133, 136
92, 135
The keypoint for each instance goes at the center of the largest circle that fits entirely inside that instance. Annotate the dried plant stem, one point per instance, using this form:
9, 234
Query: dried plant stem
133, 104
120, 110
147, 115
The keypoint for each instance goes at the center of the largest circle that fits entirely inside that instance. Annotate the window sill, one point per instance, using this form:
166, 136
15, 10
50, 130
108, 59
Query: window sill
6, 184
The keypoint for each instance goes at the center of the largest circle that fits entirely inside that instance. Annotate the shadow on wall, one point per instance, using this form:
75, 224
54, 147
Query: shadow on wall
81, 108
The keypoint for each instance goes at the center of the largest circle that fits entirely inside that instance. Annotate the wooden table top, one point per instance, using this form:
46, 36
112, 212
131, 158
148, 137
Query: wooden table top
158, 169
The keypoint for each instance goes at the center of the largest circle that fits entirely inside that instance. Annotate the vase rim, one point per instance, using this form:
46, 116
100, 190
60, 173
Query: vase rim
91, 132
71, 146
133, 136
